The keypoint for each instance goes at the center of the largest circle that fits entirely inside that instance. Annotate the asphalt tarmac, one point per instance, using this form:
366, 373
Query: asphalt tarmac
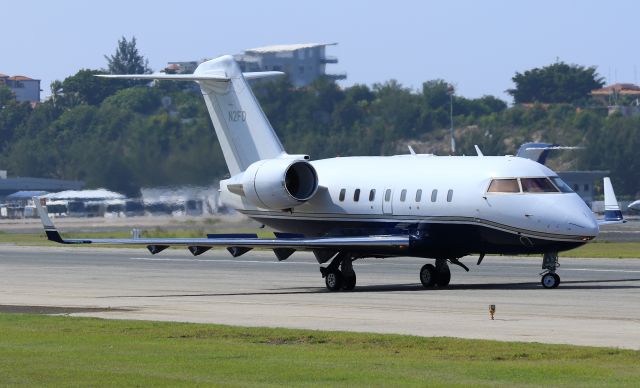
598, 302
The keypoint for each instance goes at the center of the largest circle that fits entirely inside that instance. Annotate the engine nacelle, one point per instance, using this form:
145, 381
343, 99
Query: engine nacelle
280, 183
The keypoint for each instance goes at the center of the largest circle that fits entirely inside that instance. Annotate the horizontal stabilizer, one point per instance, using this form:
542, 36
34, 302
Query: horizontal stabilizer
170, 77
194, 77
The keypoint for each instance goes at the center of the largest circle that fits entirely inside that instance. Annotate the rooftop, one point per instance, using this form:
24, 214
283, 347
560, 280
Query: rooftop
20, 78
97, 194
287, 47
619, 88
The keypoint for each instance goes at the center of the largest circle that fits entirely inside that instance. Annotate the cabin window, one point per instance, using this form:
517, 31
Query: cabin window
372, 195
387, 195
537, 185
434, 195
403, 195
561, 185
419, 195
356, 195
343, 192
504, 186
449, 195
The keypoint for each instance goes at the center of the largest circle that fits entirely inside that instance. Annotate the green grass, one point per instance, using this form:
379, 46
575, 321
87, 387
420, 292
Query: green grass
620, 250
64, 351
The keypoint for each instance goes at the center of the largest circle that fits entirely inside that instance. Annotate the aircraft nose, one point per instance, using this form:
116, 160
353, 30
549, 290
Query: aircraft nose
583, 221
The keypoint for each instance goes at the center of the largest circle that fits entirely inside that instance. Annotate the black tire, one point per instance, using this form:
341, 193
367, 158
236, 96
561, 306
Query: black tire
349, 282
428, 275
443, 276
333, 280
550, 280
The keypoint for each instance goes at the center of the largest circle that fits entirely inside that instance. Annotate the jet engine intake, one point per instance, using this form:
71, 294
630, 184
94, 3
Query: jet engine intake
280, 183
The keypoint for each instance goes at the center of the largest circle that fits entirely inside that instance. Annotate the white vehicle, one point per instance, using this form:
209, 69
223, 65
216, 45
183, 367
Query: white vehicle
349, 208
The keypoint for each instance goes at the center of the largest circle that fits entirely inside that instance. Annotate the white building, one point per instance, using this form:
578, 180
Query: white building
303, 63
26, 89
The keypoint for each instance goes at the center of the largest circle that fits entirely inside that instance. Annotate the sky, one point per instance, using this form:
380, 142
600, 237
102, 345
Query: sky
478, 46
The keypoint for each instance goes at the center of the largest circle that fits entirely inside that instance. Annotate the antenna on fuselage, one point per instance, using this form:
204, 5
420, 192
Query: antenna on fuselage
411, 150
478, 150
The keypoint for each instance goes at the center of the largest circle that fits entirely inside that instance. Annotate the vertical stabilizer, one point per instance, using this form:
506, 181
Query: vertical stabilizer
243, 130
611, 207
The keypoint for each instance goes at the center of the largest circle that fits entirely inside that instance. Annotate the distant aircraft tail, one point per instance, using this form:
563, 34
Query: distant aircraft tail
612, 211
244, 133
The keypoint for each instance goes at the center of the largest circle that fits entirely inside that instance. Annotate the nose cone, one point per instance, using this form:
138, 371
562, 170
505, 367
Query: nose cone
581, 219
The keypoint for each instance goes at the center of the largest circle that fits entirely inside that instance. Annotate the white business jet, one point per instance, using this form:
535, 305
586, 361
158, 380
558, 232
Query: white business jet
348, 208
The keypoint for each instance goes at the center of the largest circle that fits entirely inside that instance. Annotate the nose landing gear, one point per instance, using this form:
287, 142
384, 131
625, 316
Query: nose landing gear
550, 278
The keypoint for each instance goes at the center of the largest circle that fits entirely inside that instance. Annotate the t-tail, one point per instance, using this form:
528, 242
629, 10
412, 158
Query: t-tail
612, 212
243, 130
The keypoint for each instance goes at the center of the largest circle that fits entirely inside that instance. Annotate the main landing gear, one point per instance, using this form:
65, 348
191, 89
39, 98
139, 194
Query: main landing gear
550, 278
439, 275
339, 275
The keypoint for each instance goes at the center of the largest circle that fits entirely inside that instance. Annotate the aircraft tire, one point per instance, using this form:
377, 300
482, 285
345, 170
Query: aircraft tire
428, 275
333, 280
443, 277
550, 280
349, 282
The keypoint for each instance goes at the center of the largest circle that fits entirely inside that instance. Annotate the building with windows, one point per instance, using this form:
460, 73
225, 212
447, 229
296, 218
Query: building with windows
303, 63
621, 97
26, 89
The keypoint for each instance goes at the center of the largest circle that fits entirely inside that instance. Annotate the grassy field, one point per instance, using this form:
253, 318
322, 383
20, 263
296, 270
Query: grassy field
618, 250
64, 351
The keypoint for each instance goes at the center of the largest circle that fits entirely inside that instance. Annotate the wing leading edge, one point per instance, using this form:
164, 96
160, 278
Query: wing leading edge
235, 245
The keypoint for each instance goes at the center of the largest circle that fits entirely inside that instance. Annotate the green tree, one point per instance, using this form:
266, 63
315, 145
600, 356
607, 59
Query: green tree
85, 88
127, 59
12, 115
556, 83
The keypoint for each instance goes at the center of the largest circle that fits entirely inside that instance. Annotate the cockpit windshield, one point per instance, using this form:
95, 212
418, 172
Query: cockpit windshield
504, 186
537, 185
561, 184
528, 185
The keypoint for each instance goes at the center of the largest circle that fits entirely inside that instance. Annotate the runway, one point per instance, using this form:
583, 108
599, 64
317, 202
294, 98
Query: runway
598, 302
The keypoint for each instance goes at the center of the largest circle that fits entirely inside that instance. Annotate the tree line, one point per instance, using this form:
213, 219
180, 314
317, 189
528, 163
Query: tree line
124, 135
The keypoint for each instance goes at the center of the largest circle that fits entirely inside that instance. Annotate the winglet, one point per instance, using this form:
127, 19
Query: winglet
612, 211
49, 228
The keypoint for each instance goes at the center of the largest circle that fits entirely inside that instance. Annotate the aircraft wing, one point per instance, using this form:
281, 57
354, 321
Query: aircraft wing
235, 244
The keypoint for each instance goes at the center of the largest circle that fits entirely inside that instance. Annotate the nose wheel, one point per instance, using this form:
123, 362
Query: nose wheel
550, 278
